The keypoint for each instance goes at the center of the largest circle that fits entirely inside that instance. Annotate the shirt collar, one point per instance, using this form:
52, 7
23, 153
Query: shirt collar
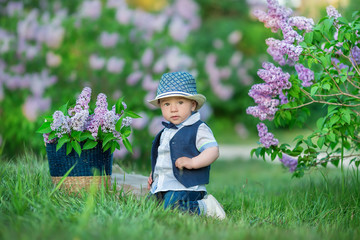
193, 118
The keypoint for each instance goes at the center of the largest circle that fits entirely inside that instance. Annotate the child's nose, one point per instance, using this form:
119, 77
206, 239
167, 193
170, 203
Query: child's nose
173, 108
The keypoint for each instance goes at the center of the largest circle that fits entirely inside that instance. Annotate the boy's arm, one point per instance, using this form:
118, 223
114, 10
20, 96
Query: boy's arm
204, 159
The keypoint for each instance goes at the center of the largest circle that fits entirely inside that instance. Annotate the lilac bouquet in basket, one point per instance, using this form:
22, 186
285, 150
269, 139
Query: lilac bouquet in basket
80, 128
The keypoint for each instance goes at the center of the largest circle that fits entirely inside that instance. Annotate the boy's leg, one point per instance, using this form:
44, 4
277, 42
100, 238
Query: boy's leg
186, 201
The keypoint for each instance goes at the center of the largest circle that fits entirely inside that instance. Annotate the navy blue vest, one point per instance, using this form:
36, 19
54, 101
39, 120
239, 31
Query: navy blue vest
183, 144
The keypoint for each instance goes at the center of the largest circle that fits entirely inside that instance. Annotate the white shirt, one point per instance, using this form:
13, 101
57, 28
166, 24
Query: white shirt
164, 179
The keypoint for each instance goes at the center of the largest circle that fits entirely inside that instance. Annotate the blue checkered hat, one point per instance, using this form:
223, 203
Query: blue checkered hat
178, 84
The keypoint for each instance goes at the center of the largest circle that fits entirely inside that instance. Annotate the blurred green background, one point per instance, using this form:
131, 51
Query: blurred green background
50, 50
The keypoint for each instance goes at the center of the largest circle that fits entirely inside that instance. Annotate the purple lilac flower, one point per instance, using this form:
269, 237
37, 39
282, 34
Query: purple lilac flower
60, 124
110, 120
14, 7
115, 65
283, 98
96, 62
52, 59
82, 102
98, 118
263, 94
275, 50
339, 64
108, 40
178, 29
123, 15
126, 122
274, 17
332, 12
305, 75
302, 23
289, 34
46, 138
101, 105
267, 139
289, 162
91, 9
234, 37
78, 122
355, 52
34, 105
134, 78
147, 57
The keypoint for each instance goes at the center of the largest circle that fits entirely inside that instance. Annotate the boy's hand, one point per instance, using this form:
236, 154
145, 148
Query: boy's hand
150, 181
184, 162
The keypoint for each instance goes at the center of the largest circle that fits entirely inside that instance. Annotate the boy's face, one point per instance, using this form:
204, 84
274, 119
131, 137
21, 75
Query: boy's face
176, 109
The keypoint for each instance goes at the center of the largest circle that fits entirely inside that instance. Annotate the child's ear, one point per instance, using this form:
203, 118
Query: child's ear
194, 105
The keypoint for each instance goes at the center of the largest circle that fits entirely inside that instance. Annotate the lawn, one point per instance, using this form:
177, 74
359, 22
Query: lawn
261, 200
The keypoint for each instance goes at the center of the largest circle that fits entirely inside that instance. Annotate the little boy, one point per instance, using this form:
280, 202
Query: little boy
183, 151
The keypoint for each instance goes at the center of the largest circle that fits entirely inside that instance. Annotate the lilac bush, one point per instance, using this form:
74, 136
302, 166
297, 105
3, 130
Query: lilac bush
104, 126
323, 59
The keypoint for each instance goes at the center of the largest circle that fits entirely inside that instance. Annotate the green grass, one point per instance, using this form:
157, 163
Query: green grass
261, 200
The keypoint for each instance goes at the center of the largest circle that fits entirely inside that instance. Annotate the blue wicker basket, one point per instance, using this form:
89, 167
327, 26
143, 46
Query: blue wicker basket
91, 162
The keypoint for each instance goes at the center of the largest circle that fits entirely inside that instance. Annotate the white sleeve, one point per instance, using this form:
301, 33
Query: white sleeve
205, 138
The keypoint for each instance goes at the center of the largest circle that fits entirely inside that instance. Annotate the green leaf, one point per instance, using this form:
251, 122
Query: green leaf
342, 20
348, 36
45, 128
108, 138
335, 162
68, 148
64, 108
52, 135
131, 114
125, 131
356, 13
106, 147
127, 144
346, 117
299, 137
331, 136
331, 108
313, 90
334, 119
76, 146
86, 135
113, 147
320, 123
326, 86
89, 144
320, 142
309, 37
119, 107
118, 124
324, 61
357, 163
100, 133
252, 152
341, 36
328, 24
76, 135
64, 139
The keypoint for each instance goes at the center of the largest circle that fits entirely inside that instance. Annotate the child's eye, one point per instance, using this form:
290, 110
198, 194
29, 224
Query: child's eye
166, 104
181, 102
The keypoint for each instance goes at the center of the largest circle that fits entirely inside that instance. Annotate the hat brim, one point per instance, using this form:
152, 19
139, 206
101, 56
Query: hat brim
199, 98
